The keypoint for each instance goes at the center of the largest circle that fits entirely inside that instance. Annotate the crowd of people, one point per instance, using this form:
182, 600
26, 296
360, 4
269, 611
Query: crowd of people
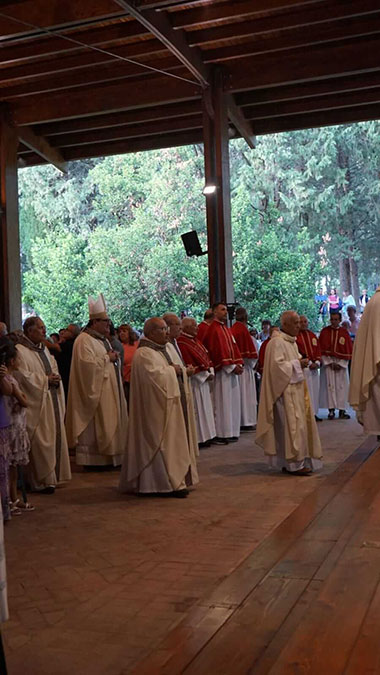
148, 402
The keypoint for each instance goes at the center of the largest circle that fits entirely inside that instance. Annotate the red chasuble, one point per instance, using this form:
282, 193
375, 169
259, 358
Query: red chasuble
194, 353
243, 340
336, 342
202, 330
222, 346
308, 345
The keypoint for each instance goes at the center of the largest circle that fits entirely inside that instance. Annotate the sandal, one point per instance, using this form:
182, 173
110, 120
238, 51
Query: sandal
23, 506
14, 509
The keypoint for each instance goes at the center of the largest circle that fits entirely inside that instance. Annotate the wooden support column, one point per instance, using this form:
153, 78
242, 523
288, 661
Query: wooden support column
218, 204
10, 275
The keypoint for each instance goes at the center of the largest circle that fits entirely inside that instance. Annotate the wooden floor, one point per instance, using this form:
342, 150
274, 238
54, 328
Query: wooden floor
306, 601
256, 572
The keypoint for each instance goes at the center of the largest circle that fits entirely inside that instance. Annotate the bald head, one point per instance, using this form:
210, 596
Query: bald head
290, 323
189, 326
208, 316
3, 329
173, 322
304, 323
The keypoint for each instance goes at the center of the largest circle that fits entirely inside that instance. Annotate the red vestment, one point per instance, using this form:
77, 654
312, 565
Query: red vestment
260, 363
336, 342
222, 346
244, 340
308, 345
202, 330
194, 353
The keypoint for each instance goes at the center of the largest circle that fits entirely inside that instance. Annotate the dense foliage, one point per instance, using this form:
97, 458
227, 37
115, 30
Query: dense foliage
305, 205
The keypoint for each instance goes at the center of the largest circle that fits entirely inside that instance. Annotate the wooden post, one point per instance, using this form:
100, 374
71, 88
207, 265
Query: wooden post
10, 275
218, 204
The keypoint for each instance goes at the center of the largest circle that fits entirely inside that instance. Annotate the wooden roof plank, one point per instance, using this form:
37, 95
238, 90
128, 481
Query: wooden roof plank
325, 13
159, 25
318, 119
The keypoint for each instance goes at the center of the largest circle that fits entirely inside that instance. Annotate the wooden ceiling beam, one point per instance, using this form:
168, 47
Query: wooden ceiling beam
53, 14
134, 145
159, 25
323, 14
310, 105
239, 120
319, 62
318, 119
142, 51
333, 85
25, 50
227, 11
107, 98
42, 147
67, 81
296, 37
151, 129
119, 119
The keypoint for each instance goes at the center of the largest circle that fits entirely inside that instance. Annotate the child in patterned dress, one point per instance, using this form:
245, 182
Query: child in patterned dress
19, 444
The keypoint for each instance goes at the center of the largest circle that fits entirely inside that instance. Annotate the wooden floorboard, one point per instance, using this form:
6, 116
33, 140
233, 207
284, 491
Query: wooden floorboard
249, 623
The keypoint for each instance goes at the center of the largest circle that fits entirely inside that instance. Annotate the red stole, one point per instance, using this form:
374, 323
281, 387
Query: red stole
221, 345
260, 365
194, 353
243, 340
202, 330
308, 345
336, 342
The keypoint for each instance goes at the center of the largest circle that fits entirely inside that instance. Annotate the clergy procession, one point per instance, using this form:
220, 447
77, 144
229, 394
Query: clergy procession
187, 387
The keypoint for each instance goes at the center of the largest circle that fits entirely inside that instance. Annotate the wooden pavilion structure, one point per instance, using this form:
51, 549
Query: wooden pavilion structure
89, 78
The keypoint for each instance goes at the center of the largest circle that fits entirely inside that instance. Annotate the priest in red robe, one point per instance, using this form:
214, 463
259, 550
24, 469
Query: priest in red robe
195, 354
205, 324
309, 347
336, 348
228, 365
248, 400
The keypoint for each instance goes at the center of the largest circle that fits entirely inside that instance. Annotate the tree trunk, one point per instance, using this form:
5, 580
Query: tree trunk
345, 275
354, 273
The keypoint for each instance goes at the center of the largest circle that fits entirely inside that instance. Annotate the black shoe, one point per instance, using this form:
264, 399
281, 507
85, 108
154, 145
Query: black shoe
204, 444
49, 490
233, 439
177, 494
318, 419
331, 415
219, 441
247, 430
343, 415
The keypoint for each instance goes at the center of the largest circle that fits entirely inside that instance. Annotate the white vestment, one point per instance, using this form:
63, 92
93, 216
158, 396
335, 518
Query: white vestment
204, 410
365, 368
159, 456
334, 384
97, 414
49, 456
312, 379
227, 402
248, 399
286, 426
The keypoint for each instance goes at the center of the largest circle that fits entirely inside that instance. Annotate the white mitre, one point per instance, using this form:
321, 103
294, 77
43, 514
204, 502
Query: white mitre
97, 308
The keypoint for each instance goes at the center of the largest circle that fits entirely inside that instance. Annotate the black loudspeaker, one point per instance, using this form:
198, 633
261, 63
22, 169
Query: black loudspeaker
192, 244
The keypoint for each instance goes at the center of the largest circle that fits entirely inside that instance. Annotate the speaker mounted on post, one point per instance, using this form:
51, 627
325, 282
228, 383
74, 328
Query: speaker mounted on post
192, 244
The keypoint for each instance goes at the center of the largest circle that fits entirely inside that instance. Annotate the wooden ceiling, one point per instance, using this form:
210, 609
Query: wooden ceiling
73, 73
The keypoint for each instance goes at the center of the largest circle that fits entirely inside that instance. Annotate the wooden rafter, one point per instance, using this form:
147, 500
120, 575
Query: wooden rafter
159, 25
42, 147
238, 118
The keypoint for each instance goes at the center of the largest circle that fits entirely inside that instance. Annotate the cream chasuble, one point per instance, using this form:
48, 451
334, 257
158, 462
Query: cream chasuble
97, 415
286, 426
49, 457
364, 393
159, 457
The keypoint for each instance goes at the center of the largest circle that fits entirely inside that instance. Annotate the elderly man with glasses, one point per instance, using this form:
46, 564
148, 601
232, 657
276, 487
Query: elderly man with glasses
96, 420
